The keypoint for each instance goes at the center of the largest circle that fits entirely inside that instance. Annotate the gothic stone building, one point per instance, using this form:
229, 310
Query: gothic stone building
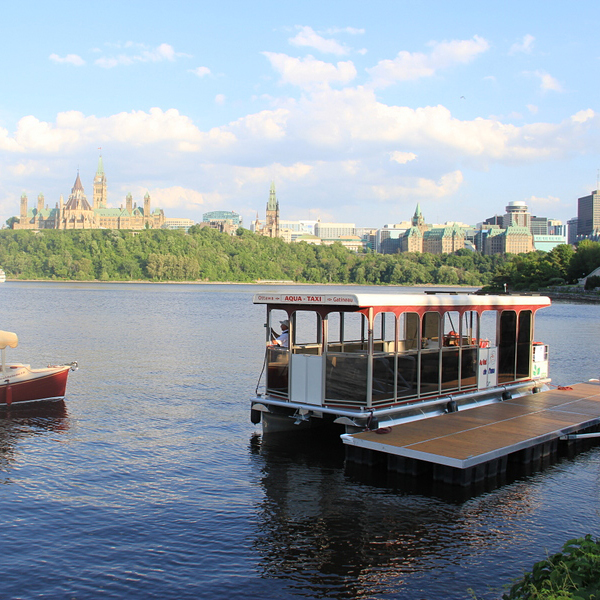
271, 227
77, 213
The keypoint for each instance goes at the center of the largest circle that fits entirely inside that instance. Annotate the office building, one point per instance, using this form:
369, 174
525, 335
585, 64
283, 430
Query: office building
588, 215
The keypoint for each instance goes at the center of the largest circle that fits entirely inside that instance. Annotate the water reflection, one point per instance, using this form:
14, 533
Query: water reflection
22, 422
331, 536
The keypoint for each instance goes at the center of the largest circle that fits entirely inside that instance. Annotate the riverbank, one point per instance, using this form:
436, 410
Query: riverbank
580, 296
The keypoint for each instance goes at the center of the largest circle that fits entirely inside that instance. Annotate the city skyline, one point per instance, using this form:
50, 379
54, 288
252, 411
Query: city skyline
356, 115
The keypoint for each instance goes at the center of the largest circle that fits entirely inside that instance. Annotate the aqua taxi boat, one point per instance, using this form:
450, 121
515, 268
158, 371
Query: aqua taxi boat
370, 360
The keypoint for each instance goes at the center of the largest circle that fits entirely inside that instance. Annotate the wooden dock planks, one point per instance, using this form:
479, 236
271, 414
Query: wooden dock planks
475, 436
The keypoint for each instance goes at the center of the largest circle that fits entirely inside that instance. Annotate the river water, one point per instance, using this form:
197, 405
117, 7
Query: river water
149, 481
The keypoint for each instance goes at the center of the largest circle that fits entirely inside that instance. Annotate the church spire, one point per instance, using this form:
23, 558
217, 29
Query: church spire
418, 220
272, 204
99, 198
77, 185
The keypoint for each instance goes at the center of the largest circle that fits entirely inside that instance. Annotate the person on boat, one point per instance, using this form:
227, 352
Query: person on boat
283, 339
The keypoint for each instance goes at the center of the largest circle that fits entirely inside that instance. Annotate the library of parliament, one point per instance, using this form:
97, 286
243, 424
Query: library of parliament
77, 213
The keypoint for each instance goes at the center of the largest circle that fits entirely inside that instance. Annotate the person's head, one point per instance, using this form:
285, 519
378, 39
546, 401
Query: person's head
284, 324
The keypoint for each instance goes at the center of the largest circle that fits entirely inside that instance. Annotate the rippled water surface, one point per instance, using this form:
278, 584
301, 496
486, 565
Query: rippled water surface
151, 482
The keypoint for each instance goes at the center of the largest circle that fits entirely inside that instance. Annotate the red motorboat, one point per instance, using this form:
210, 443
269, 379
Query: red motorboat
20, 384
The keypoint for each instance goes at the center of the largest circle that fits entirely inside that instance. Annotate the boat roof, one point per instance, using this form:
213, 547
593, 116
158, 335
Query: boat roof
367, 299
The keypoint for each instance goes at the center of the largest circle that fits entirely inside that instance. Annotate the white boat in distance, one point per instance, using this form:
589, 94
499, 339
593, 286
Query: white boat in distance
2, 276
370, 360
21, 385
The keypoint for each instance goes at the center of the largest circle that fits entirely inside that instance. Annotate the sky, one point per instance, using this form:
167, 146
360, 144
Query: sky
357, 111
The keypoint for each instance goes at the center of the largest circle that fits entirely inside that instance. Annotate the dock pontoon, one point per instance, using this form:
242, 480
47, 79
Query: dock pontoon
370, 360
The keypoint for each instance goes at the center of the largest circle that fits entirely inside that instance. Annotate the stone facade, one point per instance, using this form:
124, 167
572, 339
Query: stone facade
77, 213
512, 240
421, 237
271, 226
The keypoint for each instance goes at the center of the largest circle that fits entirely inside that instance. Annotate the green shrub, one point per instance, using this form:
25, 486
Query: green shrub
573, 574
591, 283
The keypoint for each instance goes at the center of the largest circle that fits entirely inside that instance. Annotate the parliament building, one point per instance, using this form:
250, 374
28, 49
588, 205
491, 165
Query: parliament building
78, 213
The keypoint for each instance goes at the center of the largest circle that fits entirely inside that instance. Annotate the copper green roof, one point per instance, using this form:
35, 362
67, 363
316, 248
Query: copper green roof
272, 204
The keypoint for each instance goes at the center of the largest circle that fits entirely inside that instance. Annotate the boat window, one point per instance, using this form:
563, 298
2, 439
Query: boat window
274, 325
334, 327
430, 333
430, 355
306, 332
507, 346
346, 332
488, 325
408, 328
346, 364
384, 360
408, 349
469, 328
451, 328
277, 358
524, 344
384, 332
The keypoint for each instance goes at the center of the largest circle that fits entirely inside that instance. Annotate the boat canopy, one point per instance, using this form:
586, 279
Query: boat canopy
442, 300
8, 339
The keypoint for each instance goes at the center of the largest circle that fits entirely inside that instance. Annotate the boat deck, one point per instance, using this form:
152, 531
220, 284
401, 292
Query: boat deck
470, 438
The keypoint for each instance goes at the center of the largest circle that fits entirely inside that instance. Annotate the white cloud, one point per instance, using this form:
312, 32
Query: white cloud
525, 45
547, 82
350, 30
547, 201
310, 38
409, 66
583, 115
70, 59
175, 197
201, 71
402, 157
266, 125
420, 187
532, 108
220, 99
346, 144
113, 61
163, 52
28, 168
309, 72
73, 131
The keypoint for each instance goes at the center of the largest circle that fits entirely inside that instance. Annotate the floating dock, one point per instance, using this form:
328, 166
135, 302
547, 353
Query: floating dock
473, 445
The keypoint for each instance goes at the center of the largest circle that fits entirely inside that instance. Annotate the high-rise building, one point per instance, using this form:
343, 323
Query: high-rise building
330, 231
572, 232
588, 215
517, 214
539, 226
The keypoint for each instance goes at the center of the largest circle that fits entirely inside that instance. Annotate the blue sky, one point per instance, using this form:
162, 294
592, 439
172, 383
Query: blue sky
358, 111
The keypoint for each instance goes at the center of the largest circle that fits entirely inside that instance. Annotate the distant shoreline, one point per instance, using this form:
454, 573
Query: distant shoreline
265, 282
582, 298
579, 297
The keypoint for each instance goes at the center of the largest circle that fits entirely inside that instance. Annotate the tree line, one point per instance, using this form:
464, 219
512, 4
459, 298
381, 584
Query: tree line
204, 254
563, 265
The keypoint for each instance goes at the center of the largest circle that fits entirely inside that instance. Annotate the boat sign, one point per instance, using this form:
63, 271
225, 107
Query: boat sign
305, 299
